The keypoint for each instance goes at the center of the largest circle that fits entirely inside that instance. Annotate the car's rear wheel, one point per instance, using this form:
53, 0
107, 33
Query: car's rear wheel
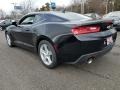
47, 54
9, 40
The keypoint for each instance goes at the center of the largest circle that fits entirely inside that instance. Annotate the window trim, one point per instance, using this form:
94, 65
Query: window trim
22, 19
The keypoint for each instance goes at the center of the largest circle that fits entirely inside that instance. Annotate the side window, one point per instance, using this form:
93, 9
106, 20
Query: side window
39, 18
53, 18
27, 20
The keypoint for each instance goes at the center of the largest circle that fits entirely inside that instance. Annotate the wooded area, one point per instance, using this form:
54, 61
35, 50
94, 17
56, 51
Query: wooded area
88, 6
79, 6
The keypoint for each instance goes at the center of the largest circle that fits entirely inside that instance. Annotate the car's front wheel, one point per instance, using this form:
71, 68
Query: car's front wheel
47, 54
9, 40
1, 29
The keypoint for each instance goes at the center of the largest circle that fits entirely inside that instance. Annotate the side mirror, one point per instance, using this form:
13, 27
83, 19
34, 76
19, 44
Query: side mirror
14, 23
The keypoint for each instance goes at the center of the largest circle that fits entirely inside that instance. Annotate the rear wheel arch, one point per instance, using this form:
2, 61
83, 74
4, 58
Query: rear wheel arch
43, 38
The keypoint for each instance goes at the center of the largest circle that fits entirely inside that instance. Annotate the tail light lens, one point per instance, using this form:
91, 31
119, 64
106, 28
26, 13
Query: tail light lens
85, 29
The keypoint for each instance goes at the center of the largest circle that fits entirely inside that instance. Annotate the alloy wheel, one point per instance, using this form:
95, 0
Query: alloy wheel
1, 28
46, 54
8, 40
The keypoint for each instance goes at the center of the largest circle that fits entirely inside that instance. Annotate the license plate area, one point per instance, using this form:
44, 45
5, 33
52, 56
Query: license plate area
109, 40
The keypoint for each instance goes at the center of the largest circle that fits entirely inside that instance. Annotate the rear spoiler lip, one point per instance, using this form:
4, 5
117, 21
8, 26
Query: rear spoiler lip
95, 22
85, 22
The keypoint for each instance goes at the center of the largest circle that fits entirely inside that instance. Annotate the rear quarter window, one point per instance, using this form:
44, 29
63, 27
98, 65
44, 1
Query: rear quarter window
72, 16
54, 18
39, 18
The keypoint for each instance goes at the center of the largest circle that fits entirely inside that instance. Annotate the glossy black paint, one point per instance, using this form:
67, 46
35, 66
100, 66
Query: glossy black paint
68, 47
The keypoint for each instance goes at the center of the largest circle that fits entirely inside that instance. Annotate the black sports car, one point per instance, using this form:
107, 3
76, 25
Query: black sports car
62, 37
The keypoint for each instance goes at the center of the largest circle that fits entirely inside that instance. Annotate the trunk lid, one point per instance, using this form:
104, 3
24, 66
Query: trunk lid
104, 24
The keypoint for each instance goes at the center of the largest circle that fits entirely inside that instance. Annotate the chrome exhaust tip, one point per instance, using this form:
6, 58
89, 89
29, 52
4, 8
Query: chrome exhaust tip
90, 60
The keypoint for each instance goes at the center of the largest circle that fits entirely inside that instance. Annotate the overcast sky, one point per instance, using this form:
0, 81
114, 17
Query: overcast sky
7, 6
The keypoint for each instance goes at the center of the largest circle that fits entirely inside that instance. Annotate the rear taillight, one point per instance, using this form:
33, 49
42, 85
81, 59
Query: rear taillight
85, 29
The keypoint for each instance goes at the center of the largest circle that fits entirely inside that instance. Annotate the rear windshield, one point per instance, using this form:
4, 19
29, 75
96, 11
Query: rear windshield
72, 16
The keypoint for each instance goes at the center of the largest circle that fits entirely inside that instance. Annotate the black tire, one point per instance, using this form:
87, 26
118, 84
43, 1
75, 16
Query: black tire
53, 57
10, 44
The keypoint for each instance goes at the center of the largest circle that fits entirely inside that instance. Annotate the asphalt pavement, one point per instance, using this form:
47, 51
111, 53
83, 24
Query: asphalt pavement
22, 70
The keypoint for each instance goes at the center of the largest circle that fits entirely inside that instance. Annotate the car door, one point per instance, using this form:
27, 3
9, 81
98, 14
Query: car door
24, 33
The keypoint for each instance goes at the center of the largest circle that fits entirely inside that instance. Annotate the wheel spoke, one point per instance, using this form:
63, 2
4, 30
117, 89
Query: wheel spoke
8, 40
45, 48
42, 56
43, 51
49, 59
1, 28
49, 53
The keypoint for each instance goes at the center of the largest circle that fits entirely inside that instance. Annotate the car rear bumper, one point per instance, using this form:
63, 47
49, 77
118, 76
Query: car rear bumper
80, 48
85, 57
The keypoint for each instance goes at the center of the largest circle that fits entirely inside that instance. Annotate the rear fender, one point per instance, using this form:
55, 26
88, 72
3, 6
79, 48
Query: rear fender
40, 38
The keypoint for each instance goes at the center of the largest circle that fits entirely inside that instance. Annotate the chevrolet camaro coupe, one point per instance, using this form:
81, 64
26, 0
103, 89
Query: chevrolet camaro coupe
60, 37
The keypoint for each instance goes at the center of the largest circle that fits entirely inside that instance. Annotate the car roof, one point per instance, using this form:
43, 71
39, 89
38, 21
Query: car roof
45, 12
64, 15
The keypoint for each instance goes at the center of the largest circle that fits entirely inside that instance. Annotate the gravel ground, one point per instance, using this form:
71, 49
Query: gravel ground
22, 70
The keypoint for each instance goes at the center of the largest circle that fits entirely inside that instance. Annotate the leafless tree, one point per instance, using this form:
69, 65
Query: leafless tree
96, 6
75, 6
26, 6
2, 14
